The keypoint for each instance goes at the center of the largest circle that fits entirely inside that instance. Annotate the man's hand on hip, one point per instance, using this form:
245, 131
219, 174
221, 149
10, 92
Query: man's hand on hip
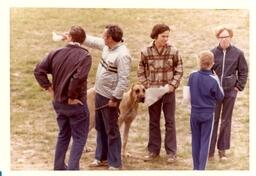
74, 101
50, 91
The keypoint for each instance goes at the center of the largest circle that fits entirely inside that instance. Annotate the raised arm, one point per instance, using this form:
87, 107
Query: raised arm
94, 42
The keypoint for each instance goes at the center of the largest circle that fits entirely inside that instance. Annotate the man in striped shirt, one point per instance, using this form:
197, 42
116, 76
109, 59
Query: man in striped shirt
161, 64
112, 80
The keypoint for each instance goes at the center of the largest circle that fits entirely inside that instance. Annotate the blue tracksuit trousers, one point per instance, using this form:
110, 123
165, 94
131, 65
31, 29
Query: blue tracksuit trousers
201, 127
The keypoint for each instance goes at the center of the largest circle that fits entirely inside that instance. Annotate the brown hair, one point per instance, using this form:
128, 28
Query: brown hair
115, 32
206, 59
220, 29
77, 33
158, 29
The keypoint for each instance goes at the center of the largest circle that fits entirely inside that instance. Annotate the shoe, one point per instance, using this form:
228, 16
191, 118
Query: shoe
98, 163
113, 168
151, 156
211, 156
222, 155
171, 158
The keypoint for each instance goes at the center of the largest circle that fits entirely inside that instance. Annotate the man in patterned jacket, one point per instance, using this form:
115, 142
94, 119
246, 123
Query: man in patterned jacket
161, 64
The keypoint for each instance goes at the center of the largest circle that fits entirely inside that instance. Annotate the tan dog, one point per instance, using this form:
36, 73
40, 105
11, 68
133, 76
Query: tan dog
128, 109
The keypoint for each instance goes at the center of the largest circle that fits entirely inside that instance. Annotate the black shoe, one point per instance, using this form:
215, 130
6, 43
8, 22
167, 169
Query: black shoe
211, 156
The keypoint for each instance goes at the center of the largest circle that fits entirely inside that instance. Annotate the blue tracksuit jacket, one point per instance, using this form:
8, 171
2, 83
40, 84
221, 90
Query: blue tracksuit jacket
205, 90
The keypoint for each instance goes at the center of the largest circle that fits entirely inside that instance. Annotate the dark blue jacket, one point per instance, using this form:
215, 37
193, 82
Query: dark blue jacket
69, 67
231, 67
205, 91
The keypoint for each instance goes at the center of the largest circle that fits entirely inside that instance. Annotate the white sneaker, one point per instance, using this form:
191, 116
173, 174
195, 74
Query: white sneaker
223, 158
113, 168
98, 163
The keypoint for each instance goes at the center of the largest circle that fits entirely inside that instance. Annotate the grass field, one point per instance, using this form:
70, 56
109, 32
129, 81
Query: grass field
33, 125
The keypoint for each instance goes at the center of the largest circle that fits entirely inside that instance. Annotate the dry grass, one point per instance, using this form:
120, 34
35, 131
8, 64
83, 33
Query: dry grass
33, 126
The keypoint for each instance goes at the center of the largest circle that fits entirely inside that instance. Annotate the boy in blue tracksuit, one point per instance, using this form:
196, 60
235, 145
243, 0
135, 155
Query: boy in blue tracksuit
205, 91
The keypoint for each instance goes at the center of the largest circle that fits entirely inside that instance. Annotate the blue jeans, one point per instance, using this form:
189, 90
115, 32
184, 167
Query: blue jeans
73, 121
108, 134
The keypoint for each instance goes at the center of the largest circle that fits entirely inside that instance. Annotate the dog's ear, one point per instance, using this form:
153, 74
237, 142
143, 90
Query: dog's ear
132, 85
131, 91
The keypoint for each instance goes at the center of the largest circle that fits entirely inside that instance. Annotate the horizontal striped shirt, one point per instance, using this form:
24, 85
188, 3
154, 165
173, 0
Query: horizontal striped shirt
113, 71
160, 68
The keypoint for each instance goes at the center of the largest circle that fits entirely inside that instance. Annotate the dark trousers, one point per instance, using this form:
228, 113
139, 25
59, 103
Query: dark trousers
201, 127
108, 134
167, 103
224, 112
73, 121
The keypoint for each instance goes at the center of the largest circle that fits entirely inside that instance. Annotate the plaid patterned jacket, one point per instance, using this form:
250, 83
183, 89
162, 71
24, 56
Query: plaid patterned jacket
160, 68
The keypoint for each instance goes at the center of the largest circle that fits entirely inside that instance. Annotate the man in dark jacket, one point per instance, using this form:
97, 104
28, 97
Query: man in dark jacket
232, 70
69, 67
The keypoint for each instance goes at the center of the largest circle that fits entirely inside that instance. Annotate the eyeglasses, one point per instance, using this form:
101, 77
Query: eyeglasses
223, 37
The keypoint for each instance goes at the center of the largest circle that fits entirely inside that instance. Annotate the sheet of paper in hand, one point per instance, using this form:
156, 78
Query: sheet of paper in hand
154, 94
186, 95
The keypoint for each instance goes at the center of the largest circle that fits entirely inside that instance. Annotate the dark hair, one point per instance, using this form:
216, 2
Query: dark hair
77, 33
115, 32
158, 29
